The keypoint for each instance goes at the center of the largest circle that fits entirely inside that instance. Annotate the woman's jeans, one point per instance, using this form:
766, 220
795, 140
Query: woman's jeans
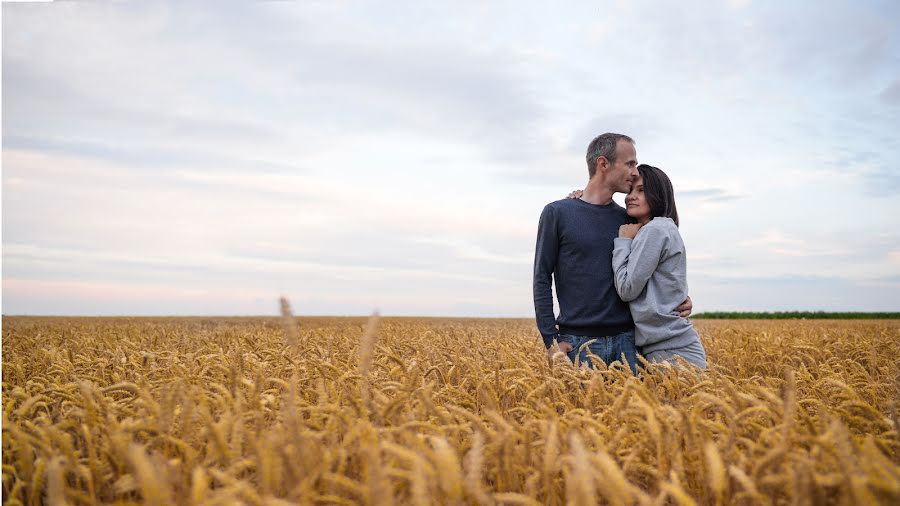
693, 353
609, 349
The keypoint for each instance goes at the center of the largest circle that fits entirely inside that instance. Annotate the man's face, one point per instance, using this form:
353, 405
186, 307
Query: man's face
623, 172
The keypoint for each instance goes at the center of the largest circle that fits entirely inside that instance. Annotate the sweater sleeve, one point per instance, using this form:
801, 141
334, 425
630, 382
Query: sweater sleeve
634, 261
546, 254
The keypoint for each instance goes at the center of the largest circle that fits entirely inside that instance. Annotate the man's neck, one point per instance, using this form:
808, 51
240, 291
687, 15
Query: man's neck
597, 193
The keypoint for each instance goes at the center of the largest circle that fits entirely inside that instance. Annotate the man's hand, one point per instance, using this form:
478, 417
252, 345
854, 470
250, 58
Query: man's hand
559, 346
629, 231
576, 194
684, 310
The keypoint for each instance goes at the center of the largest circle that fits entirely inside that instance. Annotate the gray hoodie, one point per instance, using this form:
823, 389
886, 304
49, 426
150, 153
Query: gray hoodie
651, 275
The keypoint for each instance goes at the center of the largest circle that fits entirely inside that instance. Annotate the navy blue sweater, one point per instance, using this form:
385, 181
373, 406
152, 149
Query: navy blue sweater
574, 246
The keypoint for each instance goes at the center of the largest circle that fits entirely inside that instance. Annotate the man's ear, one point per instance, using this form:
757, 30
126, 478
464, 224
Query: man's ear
602, 164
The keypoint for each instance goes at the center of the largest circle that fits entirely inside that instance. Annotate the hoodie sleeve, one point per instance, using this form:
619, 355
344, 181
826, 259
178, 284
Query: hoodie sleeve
635, 260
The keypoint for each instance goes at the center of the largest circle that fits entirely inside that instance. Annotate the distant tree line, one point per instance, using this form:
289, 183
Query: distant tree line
795, 315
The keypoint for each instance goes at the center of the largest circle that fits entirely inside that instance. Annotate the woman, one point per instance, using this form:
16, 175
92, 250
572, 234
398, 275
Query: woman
651, 271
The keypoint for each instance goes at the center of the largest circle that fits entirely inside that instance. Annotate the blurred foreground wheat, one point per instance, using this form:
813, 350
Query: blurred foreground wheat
440, 411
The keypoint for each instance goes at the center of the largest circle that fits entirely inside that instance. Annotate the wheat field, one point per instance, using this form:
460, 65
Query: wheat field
422, 411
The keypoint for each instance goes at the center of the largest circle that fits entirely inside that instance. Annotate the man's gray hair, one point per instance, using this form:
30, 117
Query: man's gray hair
603, 145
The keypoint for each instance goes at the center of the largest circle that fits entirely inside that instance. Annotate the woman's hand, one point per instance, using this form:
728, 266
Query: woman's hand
629, 231
576, 194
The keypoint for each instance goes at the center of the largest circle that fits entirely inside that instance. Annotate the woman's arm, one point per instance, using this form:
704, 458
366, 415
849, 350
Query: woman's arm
635, 260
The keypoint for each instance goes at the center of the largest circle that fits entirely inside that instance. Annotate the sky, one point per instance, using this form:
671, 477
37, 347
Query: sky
175, 159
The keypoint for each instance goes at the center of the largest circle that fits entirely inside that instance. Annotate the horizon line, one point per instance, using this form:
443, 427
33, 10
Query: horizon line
382, 315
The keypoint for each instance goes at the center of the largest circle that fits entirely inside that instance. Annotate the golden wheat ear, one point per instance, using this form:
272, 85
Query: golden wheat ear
291, 328
367, 344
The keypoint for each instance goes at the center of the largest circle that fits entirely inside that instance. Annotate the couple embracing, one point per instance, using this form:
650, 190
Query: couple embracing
621, 274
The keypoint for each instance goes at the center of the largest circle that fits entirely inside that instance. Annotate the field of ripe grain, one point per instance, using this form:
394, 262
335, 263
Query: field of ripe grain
440, 411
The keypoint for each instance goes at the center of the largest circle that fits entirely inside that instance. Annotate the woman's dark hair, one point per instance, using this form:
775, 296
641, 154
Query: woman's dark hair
659, 192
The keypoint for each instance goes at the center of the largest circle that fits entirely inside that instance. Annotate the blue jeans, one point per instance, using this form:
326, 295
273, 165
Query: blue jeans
693, 353
609, 349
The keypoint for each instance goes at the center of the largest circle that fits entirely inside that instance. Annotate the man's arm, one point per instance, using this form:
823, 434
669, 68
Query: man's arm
686, 307
546, 254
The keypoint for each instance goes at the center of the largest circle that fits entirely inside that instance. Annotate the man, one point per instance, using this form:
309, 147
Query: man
574, 245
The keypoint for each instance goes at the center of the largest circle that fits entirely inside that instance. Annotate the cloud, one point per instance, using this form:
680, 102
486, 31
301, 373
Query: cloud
739, 4
74, 297
794, 293
782, 243
883, 181
643, 128
311, 82
563, 164
143, 156
708, 195
891, 94
791, 250
807, 49
351, 156
90, 263
471, 251
97, 222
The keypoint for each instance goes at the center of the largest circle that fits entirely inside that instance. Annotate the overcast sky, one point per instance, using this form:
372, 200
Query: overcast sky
184, 159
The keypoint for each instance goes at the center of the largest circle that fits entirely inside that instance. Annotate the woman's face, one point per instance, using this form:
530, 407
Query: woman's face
636, 204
